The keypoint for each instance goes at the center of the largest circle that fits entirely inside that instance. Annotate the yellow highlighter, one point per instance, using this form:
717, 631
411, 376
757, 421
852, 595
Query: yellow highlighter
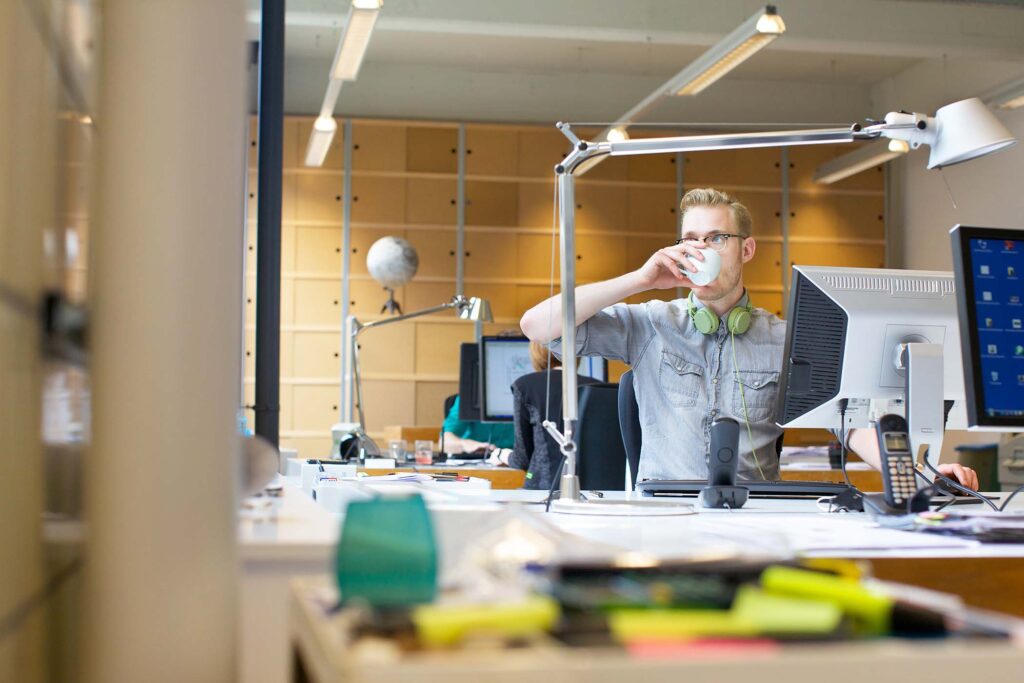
871, 613
445, 625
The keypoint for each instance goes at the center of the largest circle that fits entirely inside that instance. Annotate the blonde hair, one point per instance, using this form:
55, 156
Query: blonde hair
710, 197
539, 357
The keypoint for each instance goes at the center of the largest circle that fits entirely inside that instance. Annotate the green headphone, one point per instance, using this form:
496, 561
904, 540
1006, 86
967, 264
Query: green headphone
706, 320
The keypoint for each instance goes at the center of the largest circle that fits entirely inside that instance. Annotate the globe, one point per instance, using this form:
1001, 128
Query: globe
392, 262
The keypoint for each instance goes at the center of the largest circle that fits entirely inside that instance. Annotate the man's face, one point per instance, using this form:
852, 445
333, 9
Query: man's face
704, 221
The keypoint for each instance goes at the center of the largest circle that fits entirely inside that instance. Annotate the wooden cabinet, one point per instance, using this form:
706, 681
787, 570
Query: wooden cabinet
430, 397
318, 250
805, 160
535, 257
389, 350
431, 201
540, 150
361, 241
491, 254
436, 251
432, 150
653, 168
378, 146
758, 167
653, 209
315, 407
639, 249
601, 208
536, 202
378, 200
765, 269
765, 211
316, 355
437, 347
854, 217
319, 198
600, 257
491, 203
492, 151
834, 254
317, 302
388, 402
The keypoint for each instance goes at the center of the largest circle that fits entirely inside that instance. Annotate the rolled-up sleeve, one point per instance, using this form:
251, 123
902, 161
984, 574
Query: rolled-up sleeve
619, 332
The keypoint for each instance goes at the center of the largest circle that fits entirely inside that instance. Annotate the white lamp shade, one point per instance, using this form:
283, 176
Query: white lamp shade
965, 130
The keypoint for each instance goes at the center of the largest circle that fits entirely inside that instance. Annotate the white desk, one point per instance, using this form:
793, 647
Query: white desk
297, 537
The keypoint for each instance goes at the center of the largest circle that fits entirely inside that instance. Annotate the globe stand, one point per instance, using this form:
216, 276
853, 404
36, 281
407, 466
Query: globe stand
391, 307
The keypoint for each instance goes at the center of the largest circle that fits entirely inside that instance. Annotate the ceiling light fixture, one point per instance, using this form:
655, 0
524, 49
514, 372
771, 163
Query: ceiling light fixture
362, 16
1009, 96
852, 163
737, 47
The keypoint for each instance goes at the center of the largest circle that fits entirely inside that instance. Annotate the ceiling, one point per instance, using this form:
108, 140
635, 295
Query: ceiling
591, 60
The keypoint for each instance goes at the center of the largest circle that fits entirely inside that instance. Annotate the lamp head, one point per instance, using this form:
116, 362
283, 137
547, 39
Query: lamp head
473, 308
966, 130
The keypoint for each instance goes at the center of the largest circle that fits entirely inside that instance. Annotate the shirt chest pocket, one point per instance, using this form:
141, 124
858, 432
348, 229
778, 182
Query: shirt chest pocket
756, 390
680, 380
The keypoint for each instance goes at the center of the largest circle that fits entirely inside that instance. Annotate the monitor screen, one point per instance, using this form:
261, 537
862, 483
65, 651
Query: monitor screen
843, 338
503, 360
989, 268
594, 367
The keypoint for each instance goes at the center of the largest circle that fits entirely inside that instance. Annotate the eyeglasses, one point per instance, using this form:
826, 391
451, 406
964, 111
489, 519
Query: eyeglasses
717, 242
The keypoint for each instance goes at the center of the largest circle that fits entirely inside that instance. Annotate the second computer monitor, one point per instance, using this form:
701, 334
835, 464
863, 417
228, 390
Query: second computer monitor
503, 360
846, 327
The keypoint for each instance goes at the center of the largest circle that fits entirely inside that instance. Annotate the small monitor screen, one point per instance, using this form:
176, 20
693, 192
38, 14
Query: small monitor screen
990, 277
503, 361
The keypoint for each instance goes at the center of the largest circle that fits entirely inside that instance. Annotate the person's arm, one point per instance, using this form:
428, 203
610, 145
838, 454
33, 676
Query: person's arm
543, 322
455, 444
864, 443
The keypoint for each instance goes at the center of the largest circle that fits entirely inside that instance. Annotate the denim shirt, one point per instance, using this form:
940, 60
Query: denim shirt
685, 379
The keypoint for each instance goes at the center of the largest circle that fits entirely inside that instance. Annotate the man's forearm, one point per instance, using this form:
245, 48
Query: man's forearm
543, 322
864, 443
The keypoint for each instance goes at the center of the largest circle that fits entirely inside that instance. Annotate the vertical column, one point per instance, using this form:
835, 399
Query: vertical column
161, 575
784, 216
460, 215
347, 356
268, 228
894, 235
27, 192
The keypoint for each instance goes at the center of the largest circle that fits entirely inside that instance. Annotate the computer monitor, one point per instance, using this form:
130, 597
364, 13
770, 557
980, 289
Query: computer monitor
503, 360
844, 340
988, 264
594, 367
469, 382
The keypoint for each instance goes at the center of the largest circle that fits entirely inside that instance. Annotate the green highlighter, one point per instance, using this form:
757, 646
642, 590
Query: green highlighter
870, 612
387, 555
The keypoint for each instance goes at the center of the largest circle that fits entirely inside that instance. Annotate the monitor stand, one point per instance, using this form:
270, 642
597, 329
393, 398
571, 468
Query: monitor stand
925, 409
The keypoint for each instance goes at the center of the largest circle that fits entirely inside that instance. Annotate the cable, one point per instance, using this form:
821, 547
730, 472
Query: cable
843, 403
551, 295
743, 401
14, 619
554, 481
949, 482
1010, 498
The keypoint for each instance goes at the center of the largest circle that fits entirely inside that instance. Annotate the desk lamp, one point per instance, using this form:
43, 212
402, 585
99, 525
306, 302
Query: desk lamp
471, 308
958, 132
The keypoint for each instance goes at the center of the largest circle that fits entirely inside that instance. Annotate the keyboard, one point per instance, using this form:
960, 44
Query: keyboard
758, 489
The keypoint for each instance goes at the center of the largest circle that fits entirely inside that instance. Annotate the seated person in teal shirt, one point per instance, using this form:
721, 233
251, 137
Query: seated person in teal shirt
470, 436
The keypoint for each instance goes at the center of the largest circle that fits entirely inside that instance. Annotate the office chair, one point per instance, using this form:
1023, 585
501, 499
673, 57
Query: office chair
629, 423
602, 466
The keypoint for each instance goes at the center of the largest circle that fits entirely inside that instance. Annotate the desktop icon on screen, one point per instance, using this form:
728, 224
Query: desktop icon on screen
1015, 323
1011, 271
1020, 380
988, 322
986, 296
982, 244
1009, 245
984, 270
1014, 298
992, 349
1019, 350
995, 376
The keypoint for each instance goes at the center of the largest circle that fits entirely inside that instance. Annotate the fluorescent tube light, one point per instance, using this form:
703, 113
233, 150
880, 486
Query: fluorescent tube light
737, 47
854, 162
1009, 96
362, 16
320, 140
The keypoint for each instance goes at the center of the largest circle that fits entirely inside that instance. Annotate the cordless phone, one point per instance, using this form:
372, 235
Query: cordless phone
897, 462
